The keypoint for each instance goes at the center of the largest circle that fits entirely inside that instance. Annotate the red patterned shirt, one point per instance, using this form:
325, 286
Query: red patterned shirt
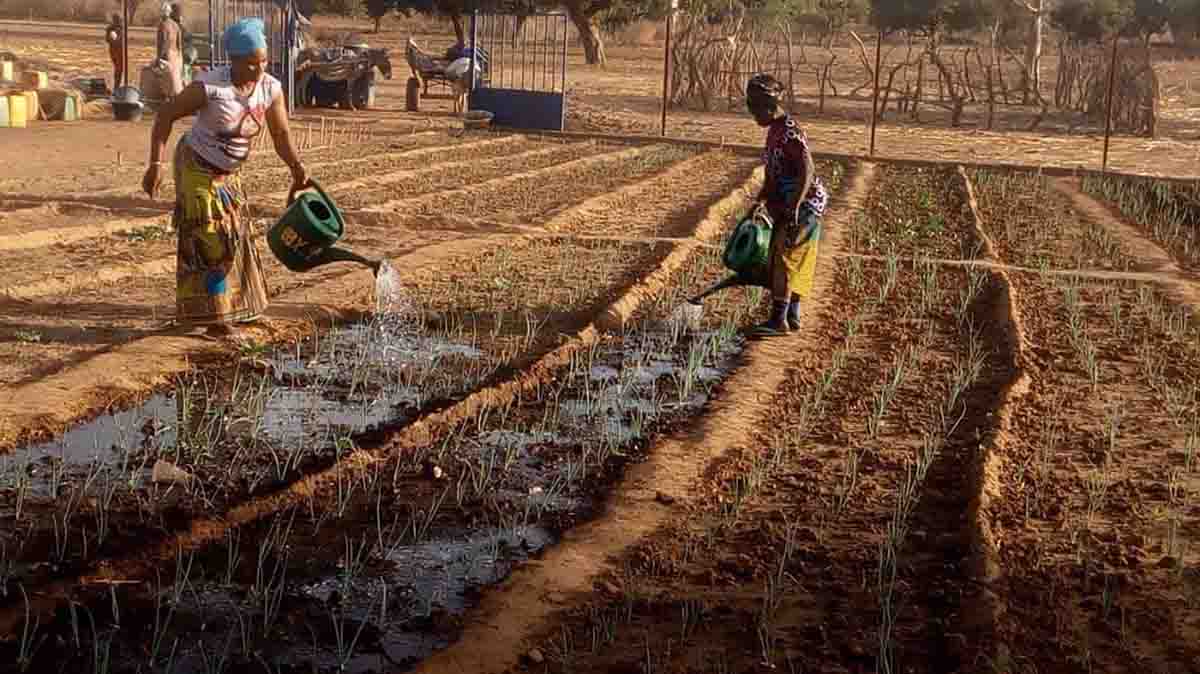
787, 146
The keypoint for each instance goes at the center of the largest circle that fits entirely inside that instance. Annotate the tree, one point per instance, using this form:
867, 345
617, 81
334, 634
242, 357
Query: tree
377, 9
832, 16
1031, 75
931, 18
454, 10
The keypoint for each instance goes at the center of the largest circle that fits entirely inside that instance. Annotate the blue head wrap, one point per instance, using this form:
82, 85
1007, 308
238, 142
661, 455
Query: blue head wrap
245, 37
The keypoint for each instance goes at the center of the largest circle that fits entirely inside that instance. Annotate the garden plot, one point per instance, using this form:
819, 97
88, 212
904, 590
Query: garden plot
529, 290
1100, 478
464, 170
235, 423
839, 539
1041, 229
377, 571
121, 178
129, 284
1166, 212
156, 238
524, 196
504, 310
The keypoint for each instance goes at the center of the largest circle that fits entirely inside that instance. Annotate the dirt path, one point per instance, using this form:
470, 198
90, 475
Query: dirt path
512, 614
1181, 287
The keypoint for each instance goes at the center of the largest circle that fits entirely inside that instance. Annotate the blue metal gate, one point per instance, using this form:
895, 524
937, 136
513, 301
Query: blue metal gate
522, 77
282, 21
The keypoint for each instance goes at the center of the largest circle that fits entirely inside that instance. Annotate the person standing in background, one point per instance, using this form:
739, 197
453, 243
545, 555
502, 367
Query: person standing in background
185, 41
113, 36
170, 52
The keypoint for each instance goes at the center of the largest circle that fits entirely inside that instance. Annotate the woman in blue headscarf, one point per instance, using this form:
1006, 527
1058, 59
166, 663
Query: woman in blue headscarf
219, 275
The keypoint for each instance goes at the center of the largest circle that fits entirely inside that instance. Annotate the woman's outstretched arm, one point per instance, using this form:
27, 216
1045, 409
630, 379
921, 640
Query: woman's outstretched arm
281, 136
187, 103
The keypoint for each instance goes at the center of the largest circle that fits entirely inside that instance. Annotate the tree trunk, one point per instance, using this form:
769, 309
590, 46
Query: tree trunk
1033, 54
460, 33
589, 35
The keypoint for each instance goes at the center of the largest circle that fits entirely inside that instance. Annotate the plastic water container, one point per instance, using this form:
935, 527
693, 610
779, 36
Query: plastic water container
32, 107
37, 79
17, 117
70, 109
4, 113
6, 71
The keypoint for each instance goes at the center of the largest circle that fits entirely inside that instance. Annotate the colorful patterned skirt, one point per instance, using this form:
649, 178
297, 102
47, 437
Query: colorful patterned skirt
219, 275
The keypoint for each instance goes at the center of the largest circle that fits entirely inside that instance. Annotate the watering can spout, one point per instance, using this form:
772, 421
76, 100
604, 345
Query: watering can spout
336, 254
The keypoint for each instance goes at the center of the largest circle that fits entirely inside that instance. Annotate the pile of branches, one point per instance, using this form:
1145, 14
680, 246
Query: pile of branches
712, 58
1135, 98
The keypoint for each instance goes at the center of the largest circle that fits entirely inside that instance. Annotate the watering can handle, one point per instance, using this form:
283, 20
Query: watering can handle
313, 184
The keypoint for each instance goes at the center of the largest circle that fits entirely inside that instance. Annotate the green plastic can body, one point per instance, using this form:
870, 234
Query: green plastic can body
308, 227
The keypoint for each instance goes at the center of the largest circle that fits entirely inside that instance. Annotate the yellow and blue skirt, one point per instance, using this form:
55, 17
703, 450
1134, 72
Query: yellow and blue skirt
219, 275
795, 240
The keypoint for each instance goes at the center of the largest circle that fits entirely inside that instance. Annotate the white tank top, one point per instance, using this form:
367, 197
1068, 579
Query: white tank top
225, 126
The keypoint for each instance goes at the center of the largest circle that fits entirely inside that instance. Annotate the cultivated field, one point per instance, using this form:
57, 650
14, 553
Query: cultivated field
981, 453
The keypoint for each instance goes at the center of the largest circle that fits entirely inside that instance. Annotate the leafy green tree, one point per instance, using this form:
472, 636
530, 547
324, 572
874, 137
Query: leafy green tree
931, 18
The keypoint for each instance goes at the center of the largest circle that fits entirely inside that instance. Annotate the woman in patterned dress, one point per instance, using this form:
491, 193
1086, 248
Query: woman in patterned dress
794, 197
219, 275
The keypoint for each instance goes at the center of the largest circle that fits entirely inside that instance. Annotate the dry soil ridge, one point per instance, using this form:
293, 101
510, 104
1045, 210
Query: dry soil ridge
602, 157
986, 469
511, 617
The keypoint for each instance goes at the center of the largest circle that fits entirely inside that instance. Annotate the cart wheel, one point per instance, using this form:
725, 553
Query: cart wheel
412, 95
364, 93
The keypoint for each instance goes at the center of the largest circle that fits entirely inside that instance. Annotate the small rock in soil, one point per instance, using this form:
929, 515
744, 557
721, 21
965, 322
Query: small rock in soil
664, 499
609, 588
536, 657
434, 472
165, 472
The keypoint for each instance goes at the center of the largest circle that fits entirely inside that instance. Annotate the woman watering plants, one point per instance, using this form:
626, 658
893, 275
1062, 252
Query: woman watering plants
795, 199
219, 276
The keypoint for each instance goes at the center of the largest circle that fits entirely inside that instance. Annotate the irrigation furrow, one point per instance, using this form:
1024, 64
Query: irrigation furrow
513, 615
205, 530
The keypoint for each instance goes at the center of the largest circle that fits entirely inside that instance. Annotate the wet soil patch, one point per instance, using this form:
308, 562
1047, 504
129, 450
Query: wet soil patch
378, 574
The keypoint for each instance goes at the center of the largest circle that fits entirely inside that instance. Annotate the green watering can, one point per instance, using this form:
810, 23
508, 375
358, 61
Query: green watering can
303, 237
747, 254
